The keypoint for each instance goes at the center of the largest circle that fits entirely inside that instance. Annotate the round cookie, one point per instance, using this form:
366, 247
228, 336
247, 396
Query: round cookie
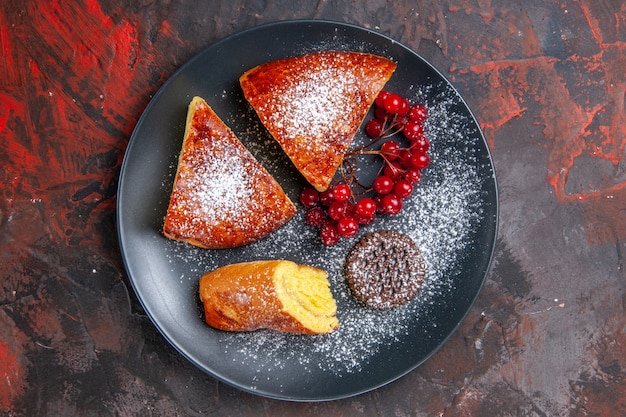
385, 269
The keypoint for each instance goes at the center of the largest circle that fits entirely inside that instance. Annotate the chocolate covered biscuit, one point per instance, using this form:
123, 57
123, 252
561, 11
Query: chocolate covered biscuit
385, 269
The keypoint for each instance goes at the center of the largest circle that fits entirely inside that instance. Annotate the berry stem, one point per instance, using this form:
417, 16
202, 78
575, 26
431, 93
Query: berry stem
339, 211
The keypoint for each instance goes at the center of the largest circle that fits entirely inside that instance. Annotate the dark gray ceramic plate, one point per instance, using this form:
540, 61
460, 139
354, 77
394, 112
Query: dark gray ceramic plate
452, 216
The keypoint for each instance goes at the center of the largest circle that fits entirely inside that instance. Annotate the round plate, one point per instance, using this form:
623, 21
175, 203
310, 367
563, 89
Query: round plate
452, 216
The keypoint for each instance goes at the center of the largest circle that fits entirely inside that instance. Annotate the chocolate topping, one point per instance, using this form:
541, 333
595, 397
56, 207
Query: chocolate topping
385, 269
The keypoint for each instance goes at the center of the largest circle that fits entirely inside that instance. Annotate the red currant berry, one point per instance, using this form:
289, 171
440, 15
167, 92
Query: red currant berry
380, 98
420, 144
391, 204
417, 113
362, 220
413, 176
405, 159
404, 107
390, 150
315, 217
398, 124
420, 160
403, 189
349, 208
326, 197
378, 199
347, 227
337, 210
309, 197
341, 192
381, 114
413, 130
383, 184
366, 207
329, 235
393, 103
374, 128
392, 170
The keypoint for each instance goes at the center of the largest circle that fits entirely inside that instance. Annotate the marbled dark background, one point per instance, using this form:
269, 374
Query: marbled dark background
547, 82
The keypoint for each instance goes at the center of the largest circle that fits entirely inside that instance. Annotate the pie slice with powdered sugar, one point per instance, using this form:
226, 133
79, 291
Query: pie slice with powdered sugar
222, 196
313, 105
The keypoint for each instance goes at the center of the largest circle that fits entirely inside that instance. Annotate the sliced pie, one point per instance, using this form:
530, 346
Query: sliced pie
222, 196
314, 104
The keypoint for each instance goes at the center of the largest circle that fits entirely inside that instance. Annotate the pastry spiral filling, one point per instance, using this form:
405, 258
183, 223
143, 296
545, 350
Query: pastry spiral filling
305, 294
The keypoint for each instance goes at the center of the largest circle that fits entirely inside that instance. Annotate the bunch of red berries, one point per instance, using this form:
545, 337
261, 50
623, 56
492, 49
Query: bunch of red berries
344, 207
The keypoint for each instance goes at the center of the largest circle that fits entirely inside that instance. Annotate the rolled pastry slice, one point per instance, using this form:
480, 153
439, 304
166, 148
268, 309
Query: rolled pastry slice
269, 294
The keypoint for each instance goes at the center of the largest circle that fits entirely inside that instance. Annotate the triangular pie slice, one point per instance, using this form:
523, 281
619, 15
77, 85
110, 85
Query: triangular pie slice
314, 104
222, 196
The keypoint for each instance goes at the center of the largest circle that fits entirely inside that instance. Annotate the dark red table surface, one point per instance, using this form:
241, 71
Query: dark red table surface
546, 80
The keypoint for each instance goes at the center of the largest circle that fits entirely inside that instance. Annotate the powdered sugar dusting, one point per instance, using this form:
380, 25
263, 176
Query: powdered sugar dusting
220, 188
440, 217
314, 103
219, 185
